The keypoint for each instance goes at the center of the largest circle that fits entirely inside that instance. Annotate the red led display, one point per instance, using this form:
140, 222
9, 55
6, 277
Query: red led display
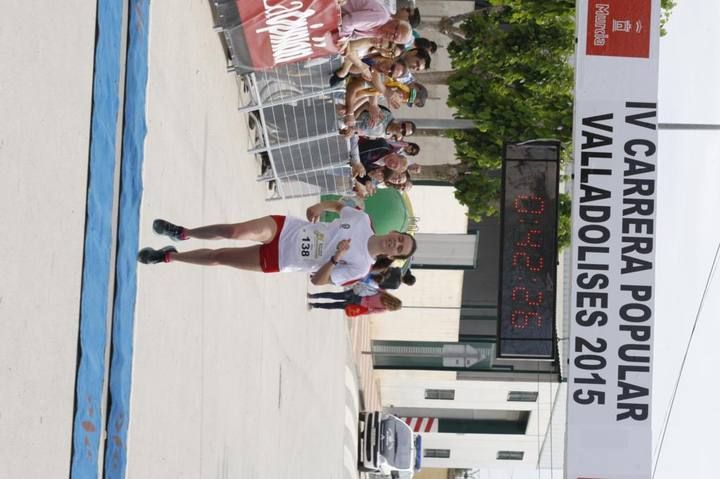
539, 296
529, 204
528, 258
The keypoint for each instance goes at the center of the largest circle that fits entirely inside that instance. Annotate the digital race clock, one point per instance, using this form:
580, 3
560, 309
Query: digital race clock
528, 250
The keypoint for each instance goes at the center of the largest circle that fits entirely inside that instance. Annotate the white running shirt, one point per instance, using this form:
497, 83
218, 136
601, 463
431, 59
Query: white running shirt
306, 246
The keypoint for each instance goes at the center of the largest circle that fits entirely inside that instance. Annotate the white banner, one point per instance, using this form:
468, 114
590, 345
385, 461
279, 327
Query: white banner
615, 147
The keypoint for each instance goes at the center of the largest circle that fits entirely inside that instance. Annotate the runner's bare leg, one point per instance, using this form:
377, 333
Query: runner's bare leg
261, 230
247, 258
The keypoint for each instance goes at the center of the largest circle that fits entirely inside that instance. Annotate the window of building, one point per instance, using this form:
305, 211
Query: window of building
510, 455
496, 422
523, 396
437, 453
447, 394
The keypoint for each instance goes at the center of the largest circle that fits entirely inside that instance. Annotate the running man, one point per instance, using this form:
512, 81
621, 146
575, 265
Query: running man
340, 252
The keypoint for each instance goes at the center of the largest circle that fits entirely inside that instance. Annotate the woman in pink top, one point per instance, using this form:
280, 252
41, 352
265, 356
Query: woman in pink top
355, 305
372, 19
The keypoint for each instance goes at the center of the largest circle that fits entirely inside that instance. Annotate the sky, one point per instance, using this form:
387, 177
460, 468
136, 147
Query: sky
688, 235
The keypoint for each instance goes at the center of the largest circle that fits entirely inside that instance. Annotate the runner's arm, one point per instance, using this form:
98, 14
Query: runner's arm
322, 276
314, 212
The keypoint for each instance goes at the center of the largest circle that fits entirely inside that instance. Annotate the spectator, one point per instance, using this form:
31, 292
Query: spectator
409, 14
357, 62
372, 149
371, 19
355, 305
355, 52
405, 147
426, 44
414, 94
416, 60
393, 277
383, 71
382, 125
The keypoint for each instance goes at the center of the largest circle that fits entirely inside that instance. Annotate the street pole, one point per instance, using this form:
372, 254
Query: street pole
431, 307
688, 126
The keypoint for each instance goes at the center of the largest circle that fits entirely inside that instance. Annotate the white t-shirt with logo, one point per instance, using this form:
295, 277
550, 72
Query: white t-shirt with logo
306, 246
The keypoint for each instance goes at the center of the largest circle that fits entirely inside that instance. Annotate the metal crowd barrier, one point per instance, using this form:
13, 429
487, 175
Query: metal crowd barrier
294, 109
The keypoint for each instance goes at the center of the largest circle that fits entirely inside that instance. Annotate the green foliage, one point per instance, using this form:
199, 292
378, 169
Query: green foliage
513, 78
666, 6
480, 193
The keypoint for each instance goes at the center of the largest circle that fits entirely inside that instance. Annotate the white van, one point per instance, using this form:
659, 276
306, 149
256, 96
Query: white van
386, 445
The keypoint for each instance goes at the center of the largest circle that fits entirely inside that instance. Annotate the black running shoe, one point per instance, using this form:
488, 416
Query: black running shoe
165, 228
154, 256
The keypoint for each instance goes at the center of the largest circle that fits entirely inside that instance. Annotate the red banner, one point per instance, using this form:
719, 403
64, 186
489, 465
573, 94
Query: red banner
288, 31
618, 28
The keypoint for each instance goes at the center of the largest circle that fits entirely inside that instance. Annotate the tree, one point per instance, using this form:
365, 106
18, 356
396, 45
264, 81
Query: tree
513, 78
666, 6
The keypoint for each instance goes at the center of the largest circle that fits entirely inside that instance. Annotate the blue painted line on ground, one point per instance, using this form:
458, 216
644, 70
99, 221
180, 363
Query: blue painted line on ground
134, 131
87, 419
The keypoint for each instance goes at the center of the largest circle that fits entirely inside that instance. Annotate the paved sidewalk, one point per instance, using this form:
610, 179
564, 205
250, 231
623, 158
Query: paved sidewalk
231, 374
352, 410
361, 342
46, 100
368, 391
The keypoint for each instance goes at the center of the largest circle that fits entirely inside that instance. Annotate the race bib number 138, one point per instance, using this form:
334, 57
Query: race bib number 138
310, 246
305, 247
